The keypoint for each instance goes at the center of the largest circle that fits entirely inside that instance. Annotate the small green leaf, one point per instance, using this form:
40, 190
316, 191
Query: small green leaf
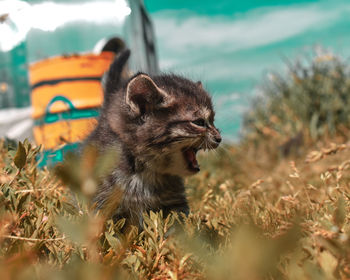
20, 157
339, 215
73, 230
113, 242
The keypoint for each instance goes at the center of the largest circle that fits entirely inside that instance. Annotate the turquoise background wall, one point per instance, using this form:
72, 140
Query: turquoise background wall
232, 45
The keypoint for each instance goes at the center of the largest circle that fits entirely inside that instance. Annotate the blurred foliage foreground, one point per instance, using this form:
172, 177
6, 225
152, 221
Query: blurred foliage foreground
257, 212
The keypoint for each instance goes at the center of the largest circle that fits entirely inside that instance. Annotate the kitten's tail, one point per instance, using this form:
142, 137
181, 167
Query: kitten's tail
113, 77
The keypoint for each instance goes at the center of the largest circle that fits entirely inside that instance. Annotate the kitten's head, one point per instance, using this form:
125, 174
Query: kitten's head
164, 121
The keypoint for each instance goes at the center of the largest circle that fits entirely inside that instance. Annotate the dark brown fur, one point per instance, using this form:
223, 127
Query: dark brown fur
151, 121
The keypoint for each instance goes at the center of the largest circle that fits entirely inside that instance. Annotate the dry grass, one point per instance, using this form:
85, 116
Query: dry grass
273, 207
282, 220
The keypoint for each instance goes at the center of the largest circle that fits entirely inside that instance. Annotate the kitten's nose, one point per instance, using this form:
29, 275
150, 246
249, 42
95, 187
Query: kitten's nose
218, 139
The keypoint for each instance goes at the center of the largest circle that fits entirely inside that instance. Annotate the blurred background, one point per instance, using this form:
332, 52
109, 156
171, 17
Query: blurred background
231, 46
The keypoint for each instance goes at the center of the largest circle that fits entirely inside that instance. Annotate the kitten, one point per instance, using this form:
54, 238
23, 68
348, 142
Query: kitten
157, 124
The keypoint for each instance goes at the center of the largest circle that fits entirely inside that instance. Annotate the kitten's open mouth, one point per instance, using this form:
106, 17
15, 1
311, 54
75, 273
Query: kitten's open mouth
190, 157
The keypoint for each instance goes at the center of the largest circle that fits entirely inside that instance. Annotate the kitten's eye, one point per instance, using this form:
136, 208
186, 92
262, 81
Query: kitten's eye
199, 122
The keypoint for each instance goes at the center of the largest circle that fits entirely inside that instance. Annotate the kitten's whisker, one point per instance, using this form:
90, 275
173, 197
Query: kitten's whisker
224, 148
211, 149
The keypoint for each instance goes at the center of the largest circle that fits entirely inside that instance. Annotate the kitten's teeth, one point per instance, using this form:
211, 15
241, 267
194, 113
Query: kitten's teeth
196, 167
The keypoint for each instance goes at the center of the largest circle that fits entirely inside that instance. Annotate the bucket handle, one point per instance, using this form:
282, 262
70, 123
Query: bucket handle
51, 117
56, 99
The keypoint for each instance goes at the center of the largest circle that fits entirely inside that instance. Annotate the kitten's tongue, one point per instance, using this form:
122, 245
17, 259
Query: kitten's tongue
190, 156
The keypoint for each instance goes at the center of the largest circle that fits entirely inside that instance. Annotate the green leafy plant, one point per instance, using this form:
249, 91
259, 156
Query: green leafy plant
312, 98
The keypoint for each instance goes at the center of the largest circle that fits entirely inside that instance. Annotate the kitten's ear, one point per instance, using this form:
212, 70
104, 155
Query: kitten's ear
143, 95
199, 84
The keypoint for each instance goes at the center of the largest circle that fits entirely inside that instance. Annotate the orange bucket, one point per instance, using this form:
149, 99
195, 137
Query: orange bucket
66, 94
